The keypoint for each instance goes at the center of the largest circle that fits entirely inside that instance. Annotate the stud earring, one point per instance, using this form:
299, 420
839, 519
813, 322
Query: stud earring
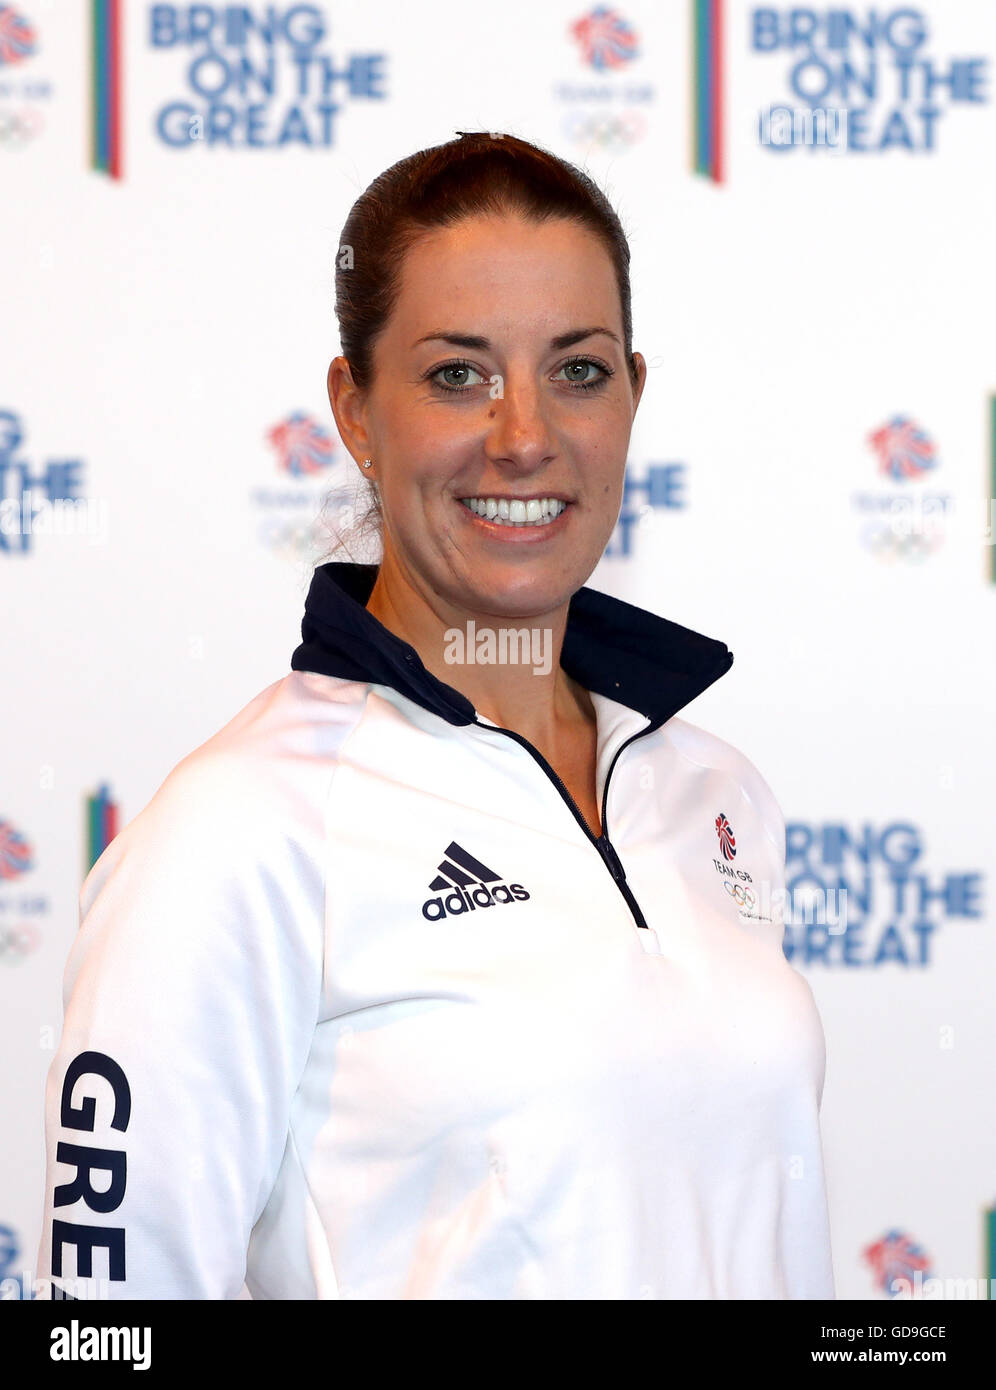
367, 463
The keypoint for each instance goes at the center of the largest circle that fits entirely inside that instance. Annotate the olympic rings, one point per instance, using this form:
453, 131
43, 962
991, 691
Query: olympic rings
885, 542
745, 897
606, 128
17, 943
18, 127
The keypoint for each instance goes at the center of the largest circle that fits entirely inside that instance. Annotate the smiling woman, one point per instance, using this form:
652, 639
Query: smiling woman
361, 1073
498, 473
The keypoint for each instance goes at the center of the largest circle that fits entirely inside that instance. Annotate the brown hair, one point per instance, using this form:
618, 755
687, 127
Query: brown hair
480, 173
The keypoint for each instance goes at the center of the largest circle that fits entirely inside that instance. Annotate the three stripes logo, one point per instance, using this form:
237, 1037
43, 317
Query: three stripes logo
464, 884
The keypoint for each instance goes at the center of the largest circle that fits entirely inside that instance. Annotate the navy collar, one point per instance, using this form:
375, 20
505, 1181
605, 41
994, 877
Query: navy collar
610, 647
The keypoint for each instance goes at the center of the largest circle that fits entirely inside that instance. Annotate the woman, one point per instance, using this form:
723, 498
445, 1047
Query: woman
447, 968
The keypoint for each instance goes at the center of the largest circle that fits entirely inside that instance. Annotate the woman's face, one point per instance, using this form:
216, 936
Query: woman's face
513, 417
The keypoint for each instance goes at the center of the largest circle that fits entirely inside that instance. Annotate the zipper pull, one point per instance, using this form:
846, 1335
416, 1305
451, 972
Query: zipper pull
611, 858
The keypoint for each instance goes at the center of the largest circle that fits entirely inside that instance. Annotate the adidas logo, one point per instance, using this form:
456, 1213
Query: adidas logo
466, 878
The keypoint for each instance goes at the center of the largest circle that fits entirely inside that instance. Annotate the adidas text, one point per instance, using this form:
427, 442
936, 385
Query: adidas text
433, 909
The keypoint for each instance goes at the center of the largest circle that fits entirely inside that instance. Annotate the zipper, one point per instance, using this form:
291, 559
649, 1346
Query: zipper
601, 842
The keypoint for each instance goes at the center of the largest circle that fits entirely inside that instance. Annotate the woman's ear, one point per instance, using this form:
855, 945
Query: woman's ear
348, 402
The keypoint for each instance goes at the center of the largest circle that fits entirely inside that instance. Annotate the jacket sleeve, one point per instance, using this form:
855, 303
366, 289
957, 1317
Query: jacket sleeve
190, 998
773, 822
769, 885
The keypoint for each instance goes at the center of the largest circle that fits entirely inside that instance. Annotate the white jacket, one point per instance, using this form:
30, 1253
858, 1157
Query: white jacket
360, 1007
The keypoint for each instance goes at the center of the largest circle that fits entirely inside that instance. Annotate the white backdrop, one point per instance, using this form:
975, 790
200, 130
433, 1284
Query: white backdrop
158, 325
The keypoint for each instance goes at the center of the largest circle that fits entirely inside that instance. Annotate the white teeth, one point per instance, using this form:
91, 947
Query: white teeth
538, 511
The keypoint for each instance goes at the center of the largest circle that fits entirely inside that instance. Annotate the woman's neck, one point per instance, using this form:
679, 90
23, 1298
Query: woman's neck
508, 667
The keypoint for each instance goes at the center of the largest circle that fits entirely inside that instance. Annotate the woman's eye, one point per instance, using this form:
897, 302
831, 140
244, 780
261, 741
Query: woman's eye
583, 374
582, 364
460, 371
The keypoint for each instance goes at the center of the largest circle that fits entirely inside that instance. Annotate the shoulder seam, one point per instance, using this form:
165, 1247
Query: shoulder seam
754, 774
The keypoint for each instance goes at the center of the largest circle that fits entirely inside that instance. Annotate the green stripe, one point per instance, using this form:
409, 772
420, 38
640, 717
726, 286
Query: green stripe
99, 85
92, 821
94, 82
990, 509
701, 86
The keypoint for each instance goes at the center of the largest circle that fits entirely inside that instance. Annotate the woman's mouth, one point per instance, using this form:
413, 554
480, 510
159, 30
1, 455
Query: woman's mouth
517, 513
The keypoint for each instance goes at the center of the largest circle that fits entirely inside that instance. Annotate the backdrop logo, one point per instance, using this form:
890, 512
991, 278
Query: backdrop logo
17, 37
16, 856
904, 450
258, 79
20, 935
43, 503
302, 445
295, 520
899, 522
893, 903
868, 73
707, 89
894, 1260
608, 114
12, 1286
607, 41
101, 824
21, 89
662, 490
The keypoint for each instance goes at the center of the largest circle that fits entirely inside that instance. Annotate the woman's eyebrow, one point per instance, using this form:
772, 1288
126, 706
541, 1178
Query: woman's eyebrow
478, 344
